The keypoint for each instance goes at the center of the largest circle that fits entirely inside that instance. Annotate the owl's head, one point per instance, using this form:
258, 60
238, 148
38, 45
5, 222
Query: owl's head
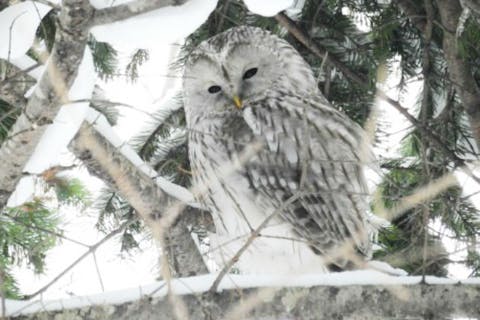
241, 64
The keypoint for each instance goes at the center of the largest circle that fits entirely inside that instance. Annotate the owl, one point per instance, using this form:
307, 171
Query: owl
266, 147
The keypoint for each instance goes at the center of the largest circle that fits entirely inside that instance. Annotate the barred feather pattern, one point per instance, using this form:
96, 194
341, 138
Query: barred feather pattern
285, 143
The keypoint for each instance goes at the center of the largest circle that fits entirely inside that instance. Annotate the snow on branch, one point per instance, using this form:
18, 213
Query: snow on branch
50, 93
128, 157
62, 82
358, 294
131, 9
159, 202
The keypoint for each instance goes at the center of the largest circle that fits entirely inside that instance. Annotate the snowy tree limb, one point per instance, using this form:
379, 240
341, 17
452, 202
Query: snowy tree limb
131, 9
140, 190
185, 258
359, 302
48, 97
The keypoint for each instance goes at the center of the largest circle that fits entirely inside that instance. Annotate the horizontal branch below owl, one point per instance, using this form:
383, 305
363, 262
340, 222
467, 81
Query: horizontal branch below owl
348, 295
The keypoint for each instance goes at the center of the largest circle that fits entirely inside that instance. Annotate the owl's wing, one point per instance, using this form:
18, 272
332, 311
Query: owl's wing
313, 151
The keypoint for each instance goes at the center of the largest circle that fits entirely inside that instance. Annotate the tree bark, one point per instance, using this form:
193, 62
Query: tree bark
458, 69
50, 94
320, 303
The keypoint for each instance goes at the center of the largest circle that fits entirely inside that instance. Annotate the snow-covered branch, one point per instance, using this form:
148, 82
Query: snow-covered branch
146, 195
50, 94
350, 295
131, 9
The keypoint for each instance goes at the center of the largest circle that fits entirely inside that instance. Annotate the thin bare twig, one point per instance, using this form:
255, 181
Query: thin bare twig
255, 233
10, 29
97, 269
91, 249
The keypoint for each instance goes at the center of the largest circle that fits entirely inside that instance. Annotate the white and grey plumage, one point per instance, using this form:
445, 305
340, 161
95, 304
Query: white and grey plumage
260, 133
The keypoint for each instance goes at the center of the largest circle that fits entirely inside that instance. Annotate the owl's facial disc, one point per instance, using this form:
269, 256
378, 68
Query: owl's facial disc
227, 81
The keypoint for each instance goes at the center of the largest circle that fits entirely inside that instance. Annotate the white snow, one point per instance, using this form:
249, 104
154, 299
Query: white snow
268, 8
23, 193
100, 4
24, 62
18, 24
162, 25
67, 122
201, 284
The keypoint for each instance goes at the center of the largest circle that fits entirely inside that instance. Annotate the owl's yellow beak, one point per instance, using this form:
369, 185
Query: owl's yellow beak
238, 102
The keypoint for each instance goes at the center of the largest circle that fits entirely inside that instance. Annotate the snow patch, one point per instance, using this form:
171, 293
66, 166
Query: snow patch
268, 8
82, 87
24, 62
100, 4
18, 24
23, 193
136, 32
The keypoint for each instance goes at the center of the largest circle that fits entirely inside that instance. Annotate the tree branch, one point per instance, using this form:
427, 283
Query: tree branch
49, 95
131, 9
312, 46
14, 85
458, 69
301, 36
411, 11
474, 5
321, 302
144, 195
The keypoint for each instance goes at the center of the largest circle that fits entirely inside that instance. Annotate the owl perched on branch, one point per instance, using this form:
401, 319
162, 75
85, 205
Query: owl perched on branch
265, 144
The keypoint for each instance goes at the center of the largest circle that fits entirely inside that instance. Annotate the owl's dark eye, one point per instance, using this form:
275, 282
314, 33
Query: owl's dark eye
214, 89
250, 73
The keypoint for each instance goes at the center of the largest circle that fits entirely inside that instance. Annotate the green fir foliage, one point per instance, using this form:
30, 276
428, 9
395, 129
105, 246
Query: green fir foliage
8, 115
46, 30
113, 212
104, 58
139, 57
26, 234
71, 191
